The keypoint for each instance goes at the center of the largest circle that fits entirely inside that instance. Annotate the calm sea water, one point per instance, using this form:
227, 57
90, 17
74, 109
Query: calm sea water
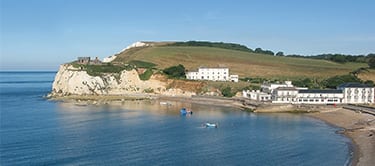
35, 131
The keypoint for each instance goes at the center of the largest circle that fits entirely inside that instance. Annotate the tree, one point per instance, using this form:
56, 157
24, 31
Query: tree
175, 71
335, 81
258, 50
280, 53
339, 58
371, 62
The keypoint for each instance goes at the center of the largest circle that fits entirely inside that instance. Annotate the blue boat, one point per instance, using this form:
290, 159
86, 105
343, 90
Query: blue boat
184, 111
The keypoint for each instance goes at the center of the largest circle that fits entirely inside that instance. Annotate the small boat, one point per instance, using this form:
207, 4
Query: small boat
211, 125
184, 111
165, 103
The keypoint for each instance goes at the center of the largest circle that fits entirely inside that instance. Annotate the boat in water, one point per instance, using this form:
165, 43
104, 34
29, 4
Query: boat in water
211, 125
165, 103
184, 111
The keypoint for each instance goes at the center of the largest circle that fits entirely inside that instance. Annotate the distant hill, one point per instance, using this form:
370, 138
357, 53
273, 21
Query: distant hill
238, 58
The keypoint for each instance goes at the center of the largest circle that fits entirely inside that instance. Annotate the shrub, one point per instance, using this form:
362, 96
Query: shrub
149, 90
335, 81
175, 71
371, 62
227, 92
146, 75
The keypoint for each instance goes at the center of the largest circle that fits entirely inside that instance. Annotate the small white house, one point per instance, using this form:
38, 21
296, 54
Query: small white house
356, 93
212, 74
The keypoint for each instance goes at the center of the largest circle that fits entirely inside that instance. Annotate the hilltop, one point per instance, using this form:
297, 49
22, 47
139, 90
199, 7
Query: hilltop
240, 60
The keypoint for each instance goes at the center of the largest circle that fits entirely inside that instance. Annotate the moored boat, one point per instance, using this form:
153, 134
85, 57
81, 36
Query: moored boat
184, 111
211, 125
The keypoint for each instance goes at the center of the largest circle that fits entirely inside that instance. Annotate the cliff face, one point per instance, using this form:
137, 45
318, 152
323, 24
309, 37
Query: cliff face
72, 81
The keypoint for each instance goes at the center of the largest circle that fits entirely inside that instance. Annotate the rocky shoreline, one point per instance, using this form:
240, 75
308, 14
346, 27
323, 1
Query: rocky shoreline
359, 127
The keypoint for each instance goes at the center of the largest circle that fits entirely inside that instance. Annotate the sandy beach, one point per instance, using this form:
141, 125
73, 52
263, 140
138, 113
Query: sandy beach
359, 127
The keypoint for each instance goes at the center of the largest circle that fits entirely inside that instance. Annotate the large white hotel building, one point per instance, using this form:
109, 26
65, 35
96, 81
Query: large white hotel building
212, 74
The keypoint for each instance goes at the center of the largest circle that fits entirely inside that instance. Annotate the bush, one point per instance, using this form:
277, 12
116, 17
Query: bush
335, 81
98, 70
306, 82
175, 71
371, 62
146, 75
149, 90
227, 92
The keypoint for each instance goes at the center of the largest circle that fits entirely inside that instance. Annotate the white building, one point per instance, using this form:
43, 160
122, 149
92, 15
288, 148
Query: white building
284, 95
270, 87
256, 95
213, 74
317, 96
348, 93
357, 93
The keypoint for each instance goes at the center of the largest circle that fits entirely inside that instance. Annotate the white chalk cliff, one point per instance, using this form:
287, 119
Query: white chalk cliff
136, 44
73, 81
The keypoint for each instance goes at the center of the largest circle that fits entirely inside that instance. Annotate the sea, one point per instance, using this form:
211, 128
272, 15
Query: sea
38, 131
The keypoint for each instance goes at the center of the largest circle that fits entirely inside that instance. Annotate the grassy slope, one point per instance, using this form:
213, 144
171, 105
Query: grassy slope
243, 63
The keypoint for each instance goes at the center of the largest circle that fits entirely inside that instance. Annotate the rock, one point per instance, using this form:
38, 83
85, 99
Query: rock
72, 81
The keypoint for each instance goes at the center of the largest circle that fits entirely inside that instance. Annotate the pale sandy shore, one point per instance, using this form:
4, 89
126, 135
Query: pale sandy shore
359, 127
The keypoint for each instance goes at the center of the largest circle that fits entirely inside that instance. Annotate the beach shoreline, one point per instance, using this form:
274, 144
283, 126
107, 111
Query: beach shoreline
358, 127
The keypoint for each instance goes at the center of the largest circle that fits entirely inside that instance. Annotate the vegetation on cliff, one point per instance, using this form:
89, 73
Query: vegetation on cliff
99, 70
175, 71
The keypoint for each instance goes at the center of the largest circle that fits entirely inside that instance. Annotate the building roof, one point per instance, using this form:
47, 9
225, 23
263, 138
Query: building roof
354, 85
320, 91
286, 88
213, 68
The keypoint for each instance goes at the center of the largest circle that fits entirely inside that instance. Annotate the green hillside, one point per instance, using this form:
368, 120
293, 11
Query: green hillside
243, 63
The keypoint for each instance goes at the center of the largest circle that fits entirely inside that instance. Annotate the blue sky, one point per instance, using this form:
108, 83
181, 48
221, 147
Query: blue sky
41, 34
